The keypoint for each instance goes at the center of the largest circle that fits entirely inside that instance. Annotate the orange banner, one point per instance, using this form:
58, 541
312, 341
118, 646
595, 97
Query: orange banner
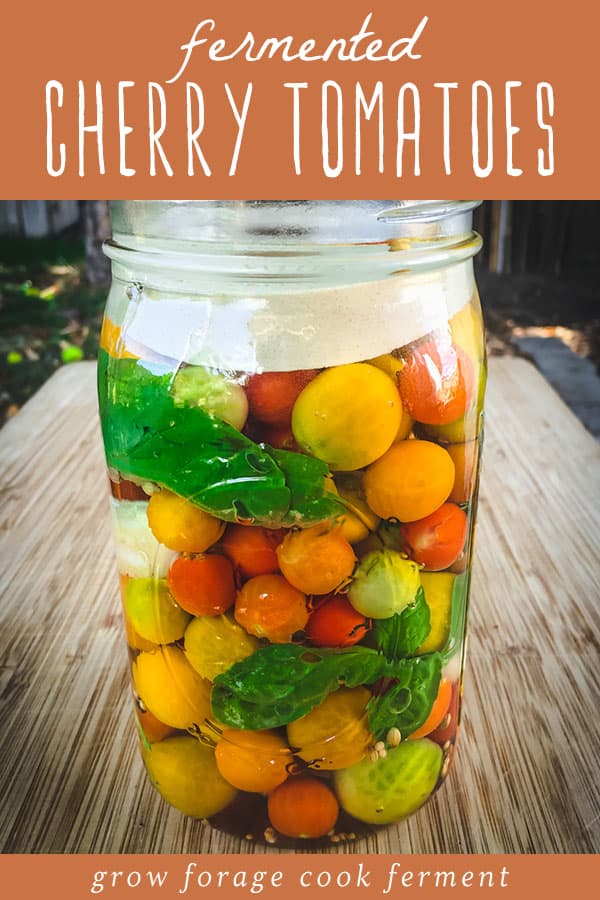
295, 876
361, 99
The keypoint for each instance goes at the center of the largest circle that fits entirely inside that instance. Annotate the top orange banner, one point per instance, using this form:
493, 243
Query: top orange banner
326, 100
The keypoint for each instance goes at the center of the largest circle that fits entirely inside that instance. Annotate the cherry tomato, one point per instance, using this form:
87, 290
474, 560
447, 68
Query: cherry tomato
268, 607
252, 549
113, 341
335, 623
347, 416
316, 560
410, 481
273, 394
438, 711
436, 384
437, 541
154, 730
335, 734
181, 526
203, 585
464, 457
446, 730
279, 436
303, 808
253, 761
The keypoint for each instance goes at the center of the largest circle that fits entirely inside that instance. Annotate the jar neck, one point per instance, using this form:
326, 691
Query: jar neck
285, 244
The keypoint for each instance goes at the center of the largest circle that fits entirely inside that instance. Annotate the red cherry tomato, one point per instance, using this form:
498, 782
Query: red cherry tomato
303, 807
202, 585
335, 623
437, 541
252, 549
279, 436
437, 382
272, 395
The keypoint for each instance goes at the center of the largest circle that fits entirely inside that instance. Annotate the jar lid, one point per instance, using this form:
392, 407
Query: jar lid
270, 222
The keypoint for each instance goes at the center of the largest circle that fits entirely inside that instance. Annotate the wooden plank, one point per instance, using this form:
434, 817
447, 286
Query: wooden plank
525, 778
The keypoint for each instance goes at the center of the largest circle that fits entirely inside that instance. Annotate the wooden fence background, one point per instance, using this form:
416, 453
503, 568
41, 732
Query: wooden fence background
37, 218
521, 236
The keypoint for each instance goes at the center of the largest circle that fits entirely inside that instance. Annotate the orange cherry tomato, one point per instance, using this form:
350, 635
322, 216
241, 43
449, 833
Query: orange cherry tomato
448, 727
335, 623
437, 541
436, 384
464, 457
438, 711
254, 761
303, 808
268, 607
154, 730
316, 560
203, 585
272, 395
410, 481
252, 549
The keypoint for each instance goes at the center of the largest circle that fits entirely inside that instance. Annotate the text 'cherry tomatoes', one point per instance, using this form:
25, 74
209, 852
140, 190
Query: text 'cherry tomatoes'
268, 607
436, 384
335, 623
204, 585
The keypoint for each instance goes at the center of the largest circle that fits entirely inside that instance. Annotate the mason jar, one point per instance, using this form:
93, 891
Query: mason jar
291, 401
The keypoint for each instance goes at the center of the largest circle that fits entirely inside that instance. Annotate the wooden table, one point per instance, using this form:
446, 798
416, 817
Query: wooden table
526, 776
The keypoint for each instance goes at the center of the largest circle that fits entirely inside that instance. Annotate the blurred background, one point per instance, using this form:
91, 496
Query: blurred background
539, 277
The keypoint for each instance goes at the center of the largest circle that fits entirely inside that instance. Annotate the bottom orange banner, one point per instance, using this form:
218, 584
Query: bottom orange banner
294, 876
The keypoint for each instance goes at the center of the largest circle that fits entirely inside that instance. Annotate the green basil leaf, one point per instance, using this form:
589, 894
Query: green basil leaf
403, 633
406, 704
207, 461
282, 682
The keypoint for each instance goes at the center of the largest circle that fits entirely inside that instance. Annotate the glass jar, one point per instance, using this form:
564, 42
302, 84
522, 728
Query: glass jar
291, 401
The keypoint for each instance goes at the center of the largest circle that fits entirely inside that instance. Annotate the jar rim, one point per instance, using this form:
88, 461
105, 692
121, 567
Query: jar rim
288, 222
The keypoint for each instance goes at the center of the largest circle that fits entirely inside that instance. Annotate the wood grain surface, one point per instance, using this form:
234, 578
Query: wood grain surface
526, 774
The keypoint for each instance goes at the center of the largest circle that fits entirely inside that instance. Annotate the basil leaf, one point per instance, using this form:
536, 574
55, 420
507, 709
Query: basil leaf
407, 703
207, 461
403, 633
282, 682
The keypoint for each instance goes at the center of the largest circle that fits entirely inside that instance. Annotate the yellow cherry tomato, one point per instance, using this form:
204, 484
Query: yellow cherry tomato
185, 773
170, 688
357, 521
392, 367
410, 481
334, 734
347, 416
254, 761
180, 525
438, 587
